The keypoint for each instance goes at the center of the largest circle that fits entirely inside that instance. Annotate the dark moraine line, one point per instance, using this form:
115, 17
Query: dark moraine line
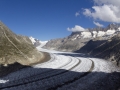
50, 73
75, 79
36, 80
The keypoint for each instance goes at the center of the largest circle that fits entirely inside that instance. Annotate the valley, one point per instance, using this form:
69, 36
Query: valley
60, 45
64, 71
41, 65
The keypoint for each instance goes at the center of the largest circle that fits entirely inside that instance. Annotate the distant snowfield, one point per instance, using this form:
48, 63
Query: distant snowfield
65, 70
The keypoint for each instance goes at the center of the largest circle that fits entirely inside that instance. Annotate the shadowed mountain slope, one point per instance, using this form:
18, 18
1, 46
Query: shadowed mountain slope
107, 49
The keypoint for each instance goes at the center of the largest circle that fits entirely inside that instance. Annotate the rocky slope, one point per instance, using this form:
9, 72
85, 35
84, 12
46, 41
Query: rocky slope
17, 48
107, 49
78, 39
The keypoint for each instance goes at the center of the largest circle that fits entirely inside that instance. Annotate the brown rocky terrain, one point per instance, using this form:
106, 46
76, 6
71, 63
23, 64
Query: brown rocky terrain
17, 48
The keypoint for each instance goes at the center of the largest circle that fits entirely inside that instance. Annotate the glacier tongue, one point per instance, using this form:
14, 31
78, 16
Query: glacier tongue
43, 43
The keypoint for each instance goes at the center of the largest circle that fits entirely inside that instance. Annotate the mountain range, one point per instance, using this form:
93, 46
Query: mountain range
77, 40
97, 42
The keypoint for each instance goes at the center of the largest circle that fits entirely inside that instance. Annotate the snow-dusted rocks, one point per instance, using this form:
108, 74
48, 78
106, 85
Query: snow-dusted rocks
32, 40
110, 32
119, 29
100, 33
94, 34
37, 42
86, 34
77, 36
78, 39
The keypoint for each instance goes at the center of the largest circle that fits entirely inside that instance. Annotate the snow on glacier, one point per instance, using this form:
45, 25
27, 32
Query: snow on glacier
3, 81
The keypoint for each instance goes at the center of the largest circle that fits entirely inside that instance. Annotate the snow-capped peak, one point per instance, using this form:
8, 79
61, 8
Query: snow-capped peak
93, 34
32, 40
37, 42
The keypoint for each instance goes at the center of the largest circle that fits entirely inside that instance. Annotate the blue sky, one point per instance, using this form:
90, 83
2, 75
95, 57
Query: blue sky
49, 19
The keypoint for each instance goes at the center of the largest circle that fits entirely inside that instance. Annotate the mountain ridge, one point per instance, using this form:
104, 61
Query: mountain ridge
103, 43
76, 40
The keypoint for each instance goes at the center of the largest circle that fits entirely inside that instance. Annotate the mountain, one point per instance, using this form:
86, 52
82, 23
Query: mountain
17, 48
78, 39
107, 49
97, 42
37, 43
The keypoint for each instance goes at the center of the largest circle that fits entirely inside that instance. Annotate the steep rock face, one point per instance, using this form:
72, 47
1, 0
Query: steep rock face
16, 48
78, 39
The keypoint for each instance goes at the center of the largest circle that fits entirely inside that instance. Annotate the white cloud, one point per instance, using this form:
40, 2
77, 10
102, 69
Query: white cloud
77, 28
98, 24
77, 14
113, 2
106, 10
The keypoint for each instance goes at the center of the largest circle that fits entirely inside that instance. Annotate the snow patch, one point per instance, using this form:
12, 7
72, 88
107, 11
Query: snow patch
94, 34
32, 40
74, 39
109, 32
77, 36
119, 29
86, 34
100, 33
